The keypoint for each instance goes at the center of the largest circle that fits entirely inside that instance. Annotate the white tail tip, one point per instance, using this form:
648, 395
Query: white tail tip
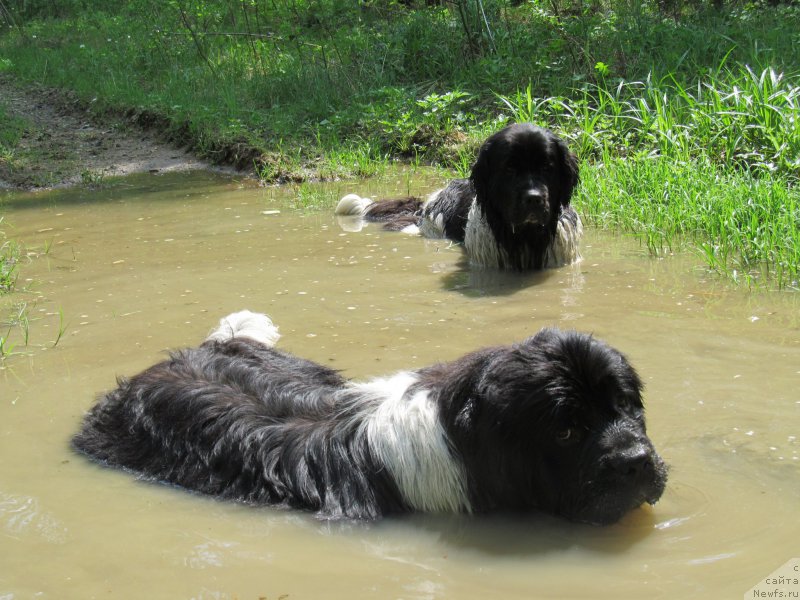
246, 324
352, 205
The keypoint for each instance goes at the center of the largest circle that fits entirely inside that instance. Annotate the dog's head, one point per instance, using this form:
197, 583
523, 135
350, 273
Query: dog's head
555, 423
524, 175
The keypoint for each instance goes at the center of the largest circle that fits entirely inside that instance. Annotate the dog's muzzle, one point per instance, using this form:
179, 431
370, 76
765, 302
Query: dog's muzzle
629, 473
535, 206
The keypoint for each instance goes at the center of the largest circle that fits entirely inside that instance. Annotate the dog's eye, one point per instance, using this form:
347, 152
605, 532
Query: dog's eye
567, 436
624, 404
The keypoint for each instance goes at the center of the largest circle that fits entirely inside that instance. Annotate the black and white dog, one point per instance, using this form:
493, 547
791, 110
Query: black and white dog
554, 423
513, 212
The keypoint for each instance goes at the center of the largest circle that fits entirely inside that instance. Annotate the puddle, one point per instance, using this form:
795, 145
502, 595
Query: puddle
152, 263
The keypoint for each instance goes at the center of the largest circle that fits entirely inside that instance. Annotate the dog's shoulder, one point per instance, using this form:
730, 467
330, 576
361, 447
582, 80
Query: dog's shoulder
445, 212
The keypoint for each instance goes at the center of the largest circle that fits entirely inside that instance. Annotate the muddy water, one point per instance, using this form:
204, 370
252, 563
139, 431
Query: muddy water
151, 263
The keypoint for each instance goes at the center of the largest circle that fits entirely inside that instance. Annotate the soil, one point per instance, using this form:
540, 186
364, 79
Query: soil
63, 143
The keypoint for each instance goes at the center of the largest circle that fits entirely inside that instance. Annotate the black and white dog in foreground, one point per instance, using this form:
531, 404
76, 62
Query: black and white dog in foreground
513, 212
554, 424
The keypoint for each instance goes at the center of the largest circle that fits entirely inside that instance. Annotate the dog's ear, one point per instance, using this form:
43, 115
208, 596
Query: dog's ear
481, 170
569, 176
459, 396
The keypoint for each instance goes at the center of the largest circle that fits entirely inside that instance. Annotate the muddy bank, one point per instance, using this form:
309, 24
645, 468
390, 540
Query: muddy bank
62, 143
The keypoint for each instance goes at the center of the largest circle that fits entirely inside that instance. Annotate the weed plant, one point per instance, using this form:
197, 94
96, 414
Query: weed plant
15, 324
9, 262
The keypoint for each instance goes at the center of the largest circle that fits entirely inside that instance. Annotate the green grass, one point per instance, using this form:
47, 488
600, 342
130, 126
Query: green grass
17, 318
15, 332
9, 263
311, 197
739, 119
11, 131
240, 80
6, 347
744, 226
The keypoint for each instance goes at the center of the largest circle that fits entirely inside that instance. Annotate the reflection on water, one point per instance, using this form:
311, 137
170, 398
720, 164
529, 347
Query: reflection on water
123, 274
22, 516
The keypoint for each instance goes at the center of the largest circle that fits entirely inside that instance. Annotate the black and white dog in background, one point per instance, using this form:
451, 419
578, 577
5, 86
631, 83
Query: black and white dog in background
513, 212
554, 423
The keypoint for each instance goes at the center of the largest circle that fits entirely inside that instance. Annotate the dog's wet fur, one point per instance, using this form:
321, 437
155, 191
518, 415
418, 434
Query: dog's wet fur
554, 423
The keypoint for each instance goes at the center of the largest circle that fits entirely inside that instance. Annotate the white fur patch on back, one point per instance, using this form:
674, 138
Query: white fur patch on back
246, 324
405, 434
432, 224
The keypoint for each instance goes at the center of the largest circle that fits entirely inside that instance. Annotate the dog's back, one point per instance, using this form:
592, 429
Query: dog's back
178, 420
442, 215
216, 418
396, 214
445, 213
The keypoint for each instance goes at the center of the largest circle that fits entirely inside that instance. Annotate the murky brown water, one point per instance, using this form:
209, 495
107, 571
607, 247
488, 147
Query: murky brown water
152, 263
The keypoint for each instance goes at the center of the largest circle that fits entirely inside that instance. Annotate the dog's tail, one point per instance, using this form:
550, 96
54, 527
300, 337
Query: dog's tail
246, 324
353, 205
399, 214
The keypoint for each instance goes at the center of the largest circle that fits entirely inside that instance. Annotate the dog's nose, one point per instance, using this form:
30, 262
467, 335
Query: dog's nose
633, 464
535, 196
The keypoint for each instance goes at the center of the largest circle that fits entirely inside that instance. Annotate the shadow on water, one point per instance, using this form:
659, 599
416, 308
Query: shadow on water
470, 281
528, 535
476, 283
137, 188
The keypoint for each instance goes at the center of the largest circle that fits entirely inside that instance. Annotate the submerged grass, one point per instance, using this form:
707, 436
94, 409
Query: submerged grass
9, 263
10, 252
15, 323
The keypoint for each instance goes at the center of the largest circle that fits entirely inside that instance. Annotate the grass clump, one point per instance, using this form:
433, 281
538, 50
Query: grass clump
745, 226
11, 130
739, 119
15, 326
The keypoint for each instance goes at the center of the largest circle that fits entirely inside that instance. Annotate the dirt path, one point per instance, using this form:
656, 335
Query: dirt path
61, 144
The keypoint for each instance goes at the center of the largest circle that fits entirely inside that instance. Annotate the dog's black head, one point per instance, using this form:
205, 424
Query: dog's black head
523, 176
555, 423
